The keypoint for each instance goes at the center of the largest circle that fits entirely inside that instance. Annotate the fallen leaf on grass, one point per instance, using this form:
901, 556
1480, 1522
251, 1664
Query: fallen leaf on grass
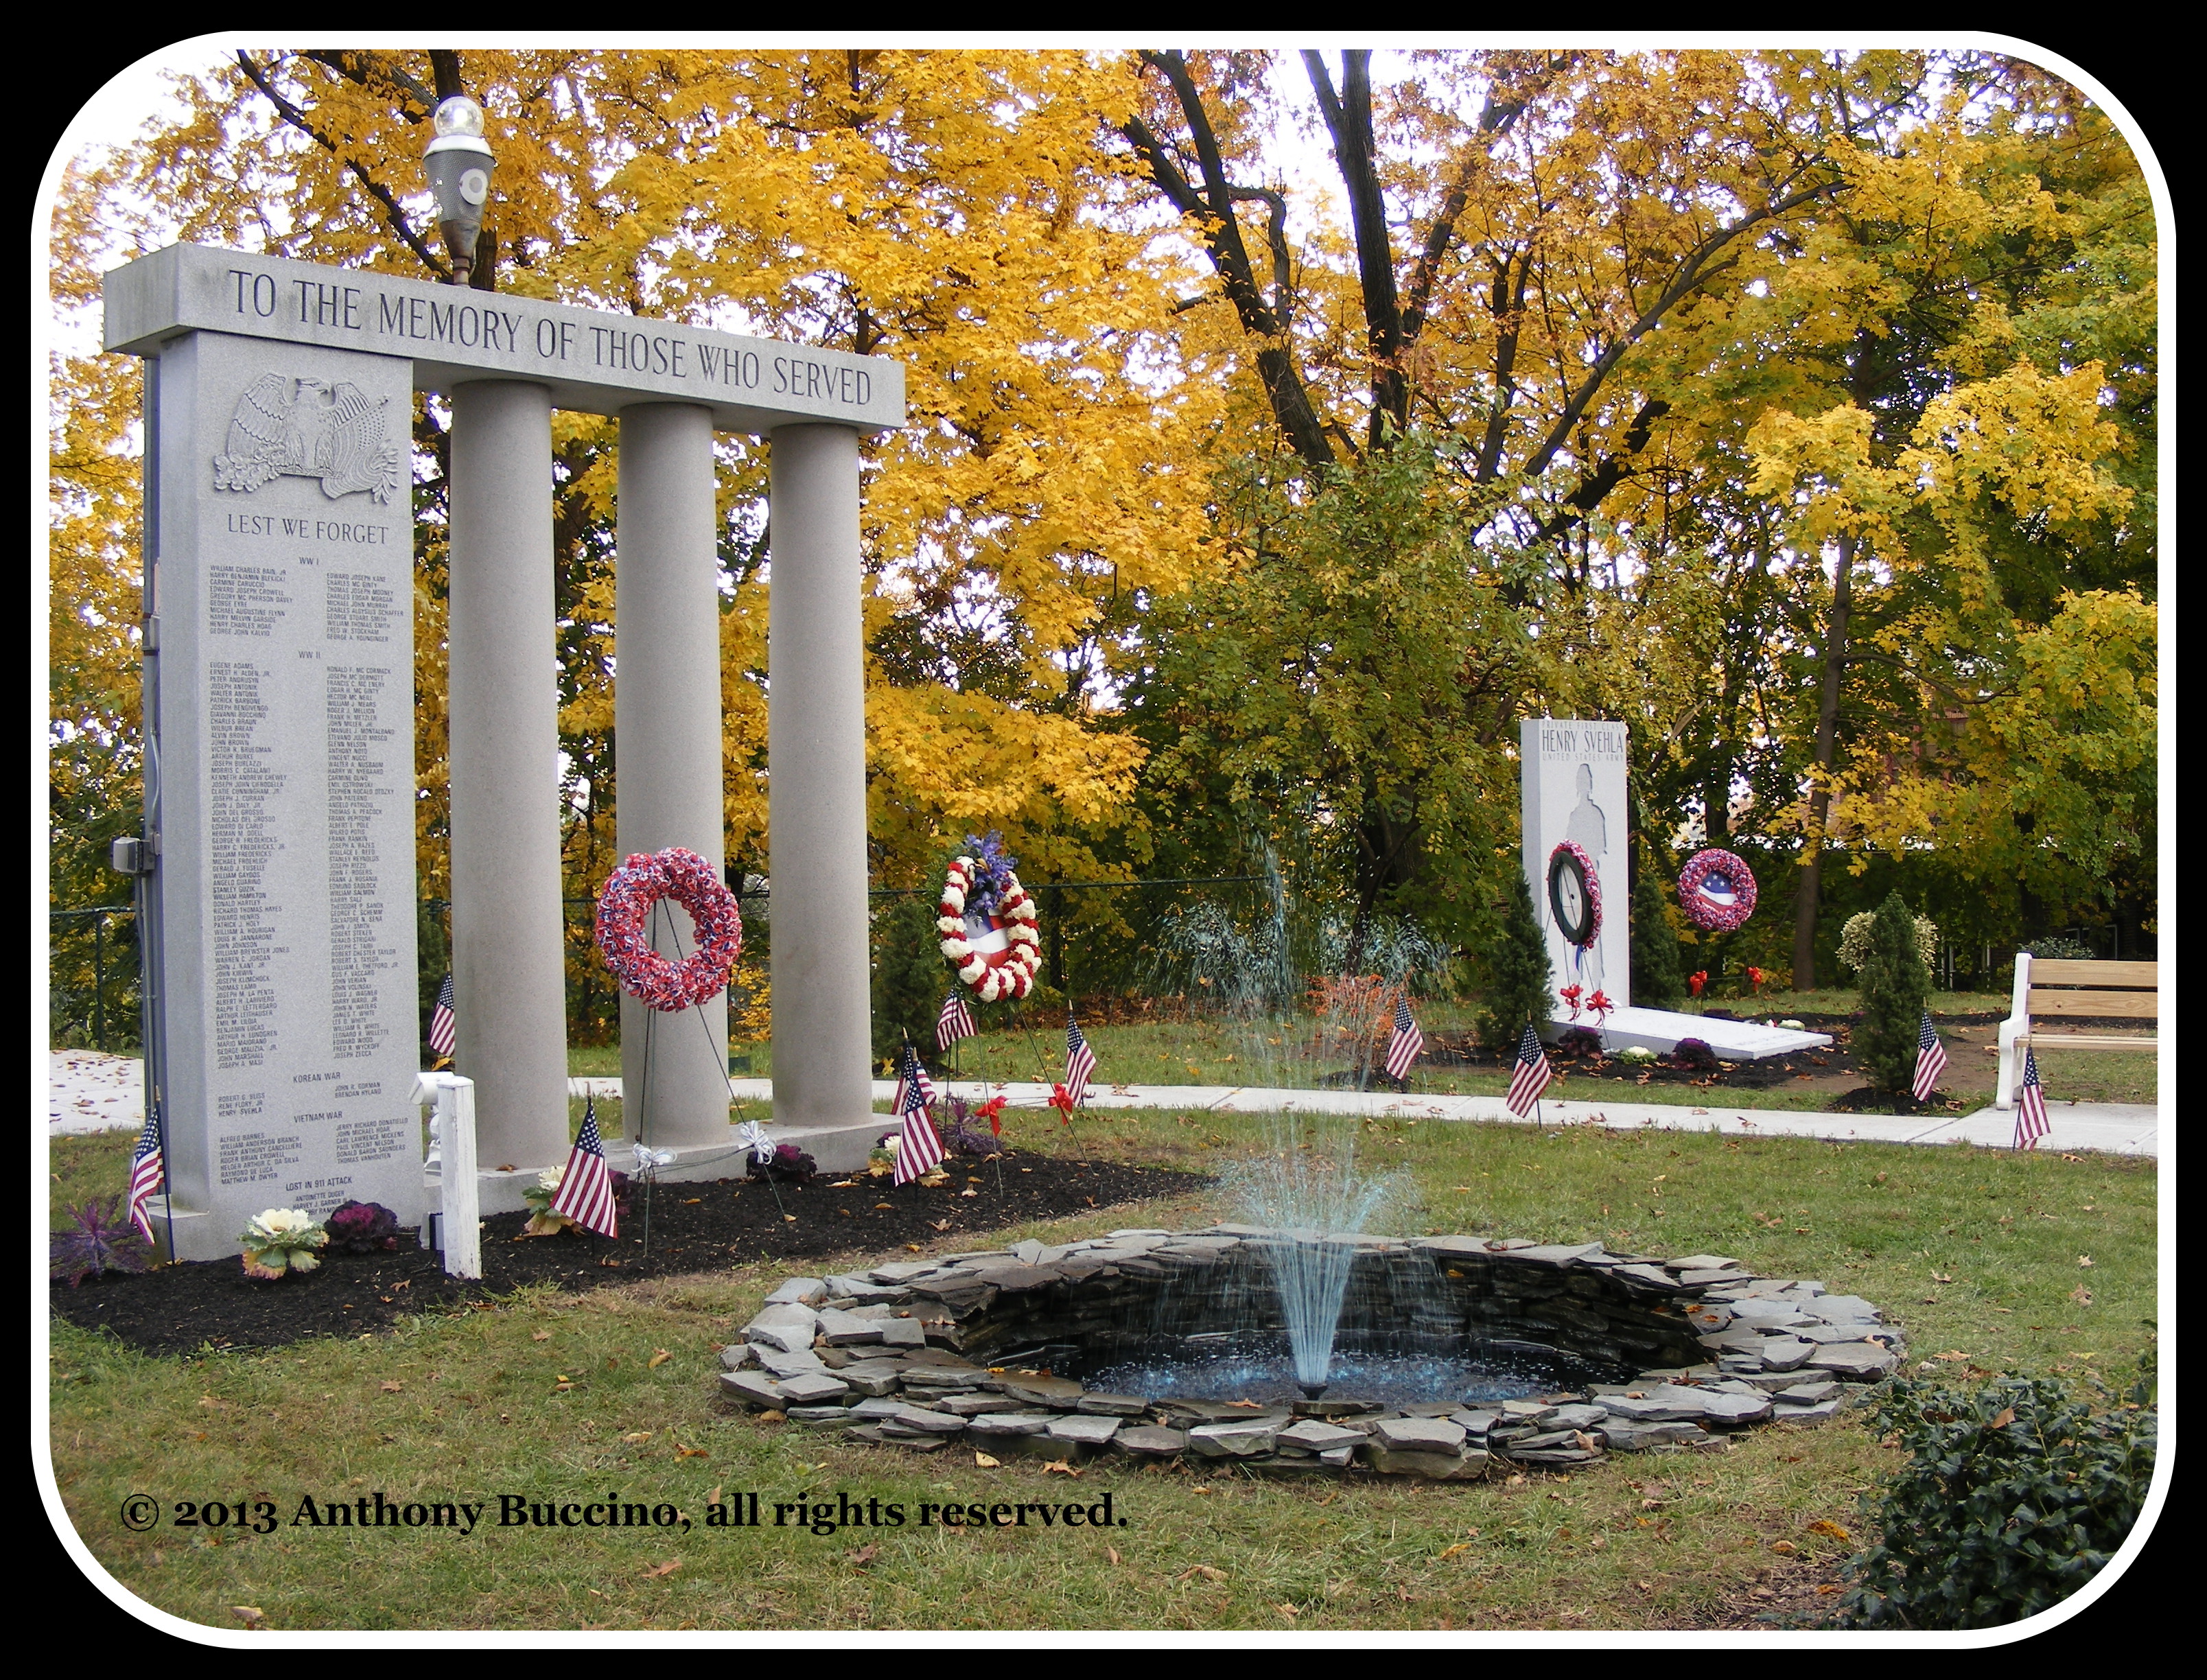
1646, 1587
1059, 1467
2081, 1295
640, 1435
542, 1336
713, 1498
1953, 1356
982, 1460
1784, 1548
1454, 1549
392, 1388
658, 1357
1203, 1570
1830, 1531
2083, 1259
774, 1417
864, 1556
665, 1569
1940, 1277
681, 1451
1112, 1552
251, 1615
1288, 1611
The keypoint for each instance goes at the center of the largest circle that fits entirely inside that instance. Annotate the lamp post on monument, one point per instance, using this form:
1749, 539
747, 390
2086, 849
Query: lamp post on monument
459, 162
509, 955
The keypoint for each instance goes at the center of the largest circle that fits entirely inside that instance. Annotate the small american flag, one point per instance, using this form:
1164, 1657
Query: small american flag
441, 1020
146, 1173
912, 1079
585, 1194
2031, 1106
919, 1150
1403, 1048
1930, 1060
955, 1022
1079, 1061
1532, 1074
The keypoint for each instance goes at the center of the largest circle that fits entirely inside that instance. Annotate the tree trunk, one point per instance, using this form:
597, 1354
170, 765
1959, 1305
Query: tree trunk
1820, 800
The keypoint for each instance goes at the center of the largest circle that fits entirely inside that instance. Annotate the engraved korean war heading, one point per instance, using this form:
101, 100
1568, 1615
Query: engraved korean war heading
310, 428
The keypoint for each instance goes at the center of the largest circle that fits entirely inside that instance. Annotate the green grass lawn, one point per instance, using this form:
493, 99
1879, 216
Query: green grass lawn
1981, 1254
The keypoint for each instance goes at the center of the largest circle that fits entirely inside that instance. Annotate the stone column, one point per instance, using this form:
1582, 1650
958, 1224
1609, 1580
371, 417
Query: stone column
817, 811
508, 978
666, 731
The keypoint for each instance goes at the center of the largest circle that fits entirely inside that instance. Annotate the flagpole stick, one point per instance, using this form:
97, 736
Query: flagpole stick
168, 1185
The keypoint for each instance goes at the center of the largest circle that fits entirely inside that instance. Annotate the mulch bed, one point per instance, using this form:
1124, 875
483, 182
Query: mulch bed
695, 1227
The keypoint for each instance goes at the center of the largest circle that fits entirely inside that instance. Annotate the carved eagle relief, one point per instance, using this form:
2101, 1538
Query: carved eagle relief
313, 429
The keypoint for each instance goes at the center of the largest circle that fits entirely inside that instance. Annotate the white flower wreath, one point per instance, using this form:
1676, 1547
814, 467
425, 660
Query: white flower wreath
997, 954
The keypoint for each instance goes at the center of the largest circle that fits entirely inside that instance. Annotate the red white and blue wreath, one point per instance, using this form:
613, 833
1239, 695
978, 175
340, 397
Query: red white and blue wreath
1716, 889
1575, 899
624, 935
987, 923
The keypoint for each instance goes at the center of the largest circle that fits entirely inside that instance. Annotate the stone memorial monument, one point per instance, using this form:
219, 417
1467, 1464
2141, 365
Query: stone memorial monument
282, 1031
1576, 839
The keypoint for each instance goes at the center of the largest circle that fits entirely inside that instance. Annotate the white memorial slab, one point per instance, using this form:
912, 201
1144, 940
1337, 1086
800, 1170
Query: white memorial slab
1572, 787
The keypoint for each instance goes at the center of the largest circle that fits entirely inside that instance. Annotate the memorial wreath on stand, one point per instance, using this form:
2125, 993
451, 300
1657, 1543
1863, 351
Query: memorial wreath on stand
624, 928
987, 923
1575, 901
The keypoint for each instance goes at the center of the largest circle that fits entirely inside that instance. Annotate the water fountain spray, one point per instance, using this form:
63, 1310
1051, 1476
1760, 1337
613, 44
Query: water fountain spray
1313, 1204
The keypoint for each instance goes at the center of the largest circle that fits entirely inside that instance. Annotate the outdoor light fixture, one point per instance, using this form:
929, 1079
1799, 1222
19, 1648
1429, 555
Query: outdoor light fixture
460, 162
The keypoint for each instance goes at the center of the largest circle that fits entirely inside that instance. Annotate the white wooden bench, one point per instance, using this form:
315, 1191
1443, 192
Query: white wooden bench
2126, 991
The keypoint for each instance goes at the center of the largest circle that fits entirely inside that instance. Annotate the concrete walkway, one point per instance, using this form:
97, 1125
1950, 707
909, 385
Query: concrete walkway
92, 1092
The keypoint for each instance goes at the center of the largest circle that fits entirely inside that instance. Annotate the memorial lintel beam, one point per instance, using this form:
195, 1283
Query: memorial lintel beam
593, 360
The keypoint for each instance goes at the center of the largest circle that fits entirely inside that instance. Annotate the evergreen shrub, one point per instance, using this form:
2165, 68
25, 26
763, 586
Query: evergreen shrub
1519, 976
910, 977
1896, 989
2012, 1498
1658, 980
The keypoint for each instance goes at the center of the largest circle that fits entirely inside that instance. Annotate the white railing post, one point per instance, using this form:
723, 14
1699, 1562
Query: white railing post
461, 1223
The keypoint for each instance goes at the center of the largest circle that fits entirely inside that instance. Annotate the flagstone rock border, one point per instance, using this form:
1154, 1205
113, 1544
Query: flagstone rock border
901, 1354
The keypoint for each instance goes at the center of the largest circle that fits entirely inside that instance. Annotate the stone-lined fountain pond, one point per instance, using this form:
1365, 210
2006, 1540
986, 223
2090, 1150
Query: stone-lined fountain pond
1444, 1353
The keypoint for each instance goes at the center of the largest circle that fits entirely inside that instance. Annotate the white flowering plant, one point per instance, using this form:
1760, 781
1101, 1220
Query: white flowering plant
542, 1221
1854, 940
281, 1240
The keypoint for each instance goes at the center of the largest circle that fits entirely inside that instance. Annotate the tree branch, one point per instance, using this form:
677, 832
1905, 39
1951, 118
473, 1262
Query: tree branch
1693, 271
1349, 119
1211, 209
365, 70
299, 120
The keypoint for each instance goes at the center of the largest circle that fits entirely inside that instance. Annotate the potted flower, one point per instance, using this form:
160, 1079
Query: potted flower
281, 1240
